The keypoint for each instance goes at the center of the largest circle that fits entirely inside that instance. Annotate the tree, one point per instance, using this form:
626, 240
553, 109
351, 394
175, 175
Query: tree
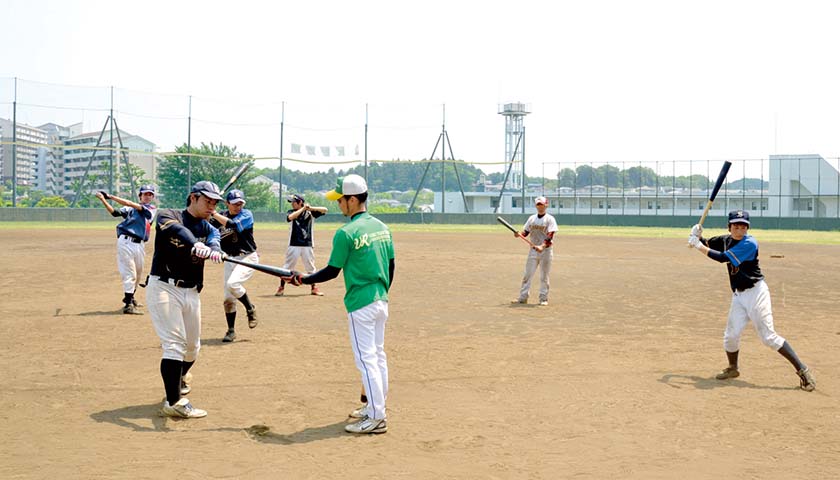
213, 162
640, 176
566, 178
133, 172
54, 201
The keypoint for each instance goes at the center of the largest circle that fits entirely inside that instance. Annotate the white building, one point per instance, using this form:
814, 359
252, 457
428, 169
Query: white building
49, 168
28, 138
78, 154
799, 186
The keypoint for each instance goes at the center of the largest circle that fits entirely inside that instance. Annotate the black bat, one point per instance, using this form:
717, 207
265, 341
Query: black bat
719, 183
276, 271
239, 172
510, 227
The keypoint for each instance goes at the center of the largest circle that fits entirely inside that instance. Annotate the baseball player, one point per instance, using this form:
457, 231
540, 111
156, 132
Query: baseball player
750, 295
541, 227
301, 216
132, 234
183, 241
363, 248
236, 227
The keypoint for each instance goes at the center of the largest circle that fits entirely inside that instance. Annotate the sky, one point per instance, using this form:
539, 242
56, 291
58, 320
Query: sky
607, 81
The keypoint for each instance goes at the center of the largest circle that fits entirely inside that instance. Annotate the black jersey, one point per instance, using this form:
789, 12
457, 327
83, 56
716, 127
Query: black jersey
238, 234
175, 234
741, 257
301, 232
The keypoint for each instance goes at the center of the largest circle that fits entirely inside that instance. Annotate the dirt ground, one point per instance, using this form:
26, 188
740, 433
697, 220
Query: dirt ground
614, 379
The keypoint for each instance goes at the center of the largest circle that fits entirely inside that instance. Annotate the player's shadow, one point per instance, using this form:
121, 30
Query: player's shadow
215, 342
674, 380
98, 313
129, 416
263, 434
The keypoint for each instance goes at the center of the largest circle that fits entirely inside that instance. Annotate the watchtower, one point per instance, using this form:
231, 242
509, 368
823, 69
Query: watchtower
514, 140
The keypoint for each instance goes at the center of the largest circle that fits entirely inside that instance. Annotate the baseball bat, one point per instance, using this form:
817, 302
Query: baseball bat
276, 271
510, 227
238, 173
719, 183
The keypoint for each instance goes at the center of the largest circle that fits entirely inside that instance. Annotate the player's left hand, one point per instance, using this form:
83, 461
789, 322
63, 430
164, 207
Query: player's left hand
539, 248
697, 230
216, 257
693, 241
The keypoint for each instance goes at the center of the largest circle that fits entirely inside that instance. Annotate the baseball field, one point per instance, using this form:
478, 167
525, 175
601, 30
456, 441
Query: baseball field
614, 379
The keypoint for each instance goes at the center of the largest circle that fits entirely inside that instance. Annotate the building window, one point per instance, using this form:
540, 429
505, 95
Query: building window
514, 202
700, 206
494, 202
650, 205
561, 205
600, 204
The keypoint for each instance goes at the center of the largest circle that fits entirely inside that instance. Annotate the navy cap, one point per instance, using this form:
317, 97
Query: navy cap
295, 198
147, 188
208, 189
739, 216
235, 196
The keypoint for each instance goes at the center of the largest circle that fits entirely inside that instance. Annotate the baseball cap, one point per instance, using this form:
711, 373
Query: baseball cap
739, 216
540, 201
294, 198
147, 188
349, 185
235, 196
208, 189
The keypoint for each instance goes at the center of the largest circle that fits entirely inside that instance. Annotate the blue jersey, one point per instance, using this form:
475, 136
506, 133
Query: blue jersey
238, 234
741, 258
137, 223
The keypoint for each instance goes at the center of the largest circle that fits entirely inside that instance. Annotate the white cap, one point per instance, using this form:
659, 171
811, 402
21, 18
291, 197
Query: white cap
349, 185
541, 200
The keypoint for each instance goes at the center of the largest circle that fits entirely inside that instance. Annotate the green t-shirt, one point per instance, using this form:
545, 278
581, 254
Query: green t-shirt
363, 249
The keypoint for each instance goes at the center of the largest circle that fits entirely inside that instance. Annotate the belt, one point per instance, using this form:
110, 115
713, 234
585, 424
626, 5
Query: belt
177, 282
133, 239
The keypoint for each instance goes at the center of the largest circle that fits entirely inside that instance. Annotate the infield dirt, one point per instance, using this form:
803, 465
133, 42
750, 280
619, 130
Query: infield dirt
614, 379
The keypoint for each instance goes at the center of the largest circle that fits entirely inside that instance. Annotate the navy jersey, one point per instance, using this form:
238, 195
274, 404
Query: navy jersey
175, 234
741, 259
238, 234
301, 233
137, 223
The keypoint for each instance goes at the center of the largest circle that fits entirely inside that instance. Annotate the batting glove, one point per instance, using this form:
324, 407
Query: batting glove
693, 241
201, 250
697, 230
216, 257
105, 195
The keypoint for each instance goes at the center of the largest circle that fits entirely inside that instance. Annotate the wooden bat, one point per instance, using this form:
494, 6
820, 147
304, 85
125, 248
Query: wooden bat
276, 271
239, 172
510, 227
719, 183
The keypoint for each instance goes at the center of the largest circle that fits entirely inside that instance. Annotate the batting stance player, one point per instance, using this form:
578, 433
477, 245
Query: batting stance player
236, 227
750, 295
301, 217
363, 248
132, 234
183, 240
541, 227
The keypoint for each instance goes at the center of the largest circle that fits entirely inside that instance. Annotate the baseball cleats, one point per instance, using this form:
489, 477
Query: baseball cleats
806, 380
182, 409
367, 425
279, 292
727, 373
185, 384
131, 309
359, 413
317, 292
519, 300
134, 302
229, 336
252, 317
543, 303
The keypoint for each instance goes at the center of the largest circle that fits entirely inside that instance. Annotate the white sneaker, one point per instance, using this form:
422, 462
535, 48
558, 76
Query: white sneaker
367, 425
186, 380
359, 413
519, 300
543, 303
182, 409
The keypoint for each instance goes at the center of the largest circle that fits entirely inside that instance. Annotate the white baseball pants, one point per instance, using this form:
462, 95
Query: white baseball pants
543, 261
752, 304
235, 276
176, 317
130, 259
306, 254
367, 337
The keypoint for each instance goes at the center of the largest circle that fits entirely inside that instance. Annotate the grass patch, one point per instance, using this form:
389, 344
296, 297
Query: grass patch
783, 236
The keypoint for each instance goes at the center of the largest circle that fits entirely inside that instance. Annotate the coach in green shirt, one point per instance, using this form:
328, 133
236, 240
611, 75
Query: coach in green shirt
364, 250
